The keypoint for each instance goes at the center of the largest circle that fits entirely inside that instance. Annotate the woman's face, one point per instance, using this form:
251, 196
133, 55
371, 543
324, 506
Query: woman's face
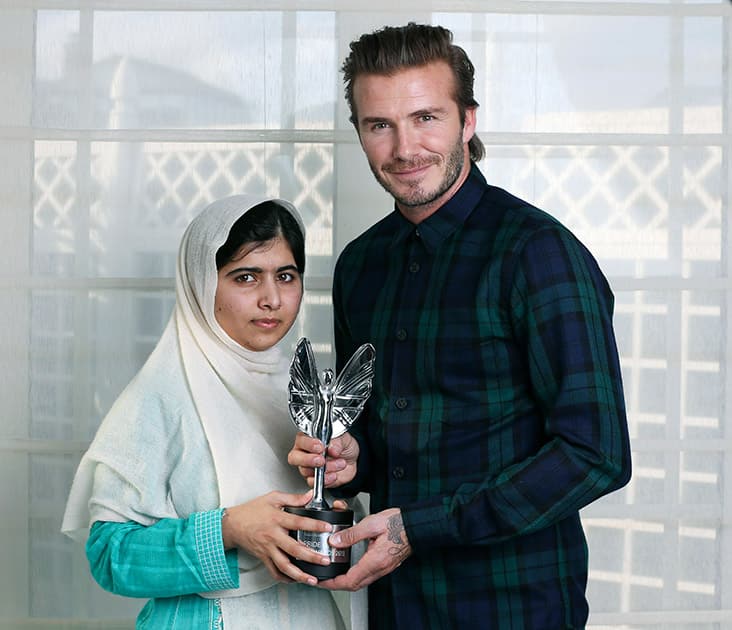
258, 295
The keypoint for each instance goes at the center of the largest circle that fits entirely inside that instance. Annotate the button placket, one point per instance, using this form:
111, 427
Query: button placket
404, 333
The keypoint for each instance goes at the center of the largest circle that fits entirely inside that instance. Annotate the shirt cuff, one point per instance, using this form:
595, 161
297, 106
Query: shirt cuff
427, 525
217, 572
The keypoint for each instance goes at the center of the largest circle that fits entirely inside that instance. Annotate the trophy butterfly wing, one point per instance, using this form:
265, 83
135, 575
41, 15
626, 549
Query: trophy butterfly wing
304, 387
352, 388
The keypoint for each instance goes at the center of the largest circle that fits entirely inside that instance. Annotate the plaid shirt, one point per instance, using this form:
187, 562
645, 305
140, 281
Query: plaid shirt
497, 409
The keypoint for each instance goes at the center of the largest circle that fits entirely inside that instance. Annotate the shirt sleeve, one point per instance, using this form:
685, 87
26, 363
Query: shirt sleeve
561, 311
345, 347
170, 558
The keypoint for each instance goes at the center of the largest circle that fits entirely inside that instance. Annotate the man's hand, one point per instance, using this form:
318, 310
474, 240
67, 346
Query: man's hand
388, 547
307, 454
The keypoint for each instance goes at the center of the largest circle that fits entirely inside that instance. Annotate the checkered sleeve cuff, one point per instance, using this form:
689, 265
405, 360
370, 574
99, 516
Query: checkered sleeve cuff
217, 572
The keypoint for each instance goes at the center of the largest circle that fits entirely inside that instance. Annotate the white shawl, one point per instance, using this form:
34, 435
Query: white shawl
148, 459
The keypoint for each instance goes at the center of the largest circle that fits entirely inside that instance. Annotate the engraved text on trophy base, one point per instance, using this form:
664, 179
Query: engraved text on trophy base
319, 542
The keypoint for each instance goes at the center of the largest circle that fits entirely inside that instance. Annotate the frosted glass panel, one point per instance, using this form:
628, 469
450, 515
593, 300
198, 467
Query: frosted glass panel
603, 74
109, 210
172, 69
62, 585
673, 356
703, 75
594, 74
626, 202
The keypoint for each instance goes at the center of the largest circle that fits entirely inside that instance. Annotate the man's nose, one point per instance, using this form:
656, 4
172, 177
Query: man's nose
404, 143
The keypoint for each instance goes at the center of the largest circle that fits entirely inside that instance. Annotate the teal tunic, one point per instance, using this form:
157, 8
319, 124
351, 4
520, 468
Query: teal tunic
175, 559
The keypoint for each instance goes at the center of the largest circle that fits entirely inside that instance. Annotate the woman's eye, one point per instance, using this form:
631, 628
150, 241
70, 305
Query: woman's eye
243, 278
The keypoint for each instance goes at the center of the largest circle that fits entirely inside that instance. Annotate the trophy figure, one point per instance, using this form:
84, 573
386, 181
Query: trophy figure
324, 409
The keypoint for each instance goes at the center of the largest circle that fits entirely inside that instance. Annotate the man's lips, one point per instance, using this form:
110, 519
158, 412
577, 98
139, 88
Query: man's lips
407, 170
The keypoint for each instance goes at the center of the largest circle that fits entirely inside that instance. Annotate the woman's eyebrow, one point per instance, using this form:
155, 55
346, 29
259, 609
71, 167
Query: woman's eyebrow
240, 269
260, 270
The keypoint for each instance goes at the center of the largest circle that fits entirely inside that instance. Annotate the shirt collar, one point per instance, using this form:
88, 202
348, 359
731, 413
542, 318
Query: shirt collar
449, 217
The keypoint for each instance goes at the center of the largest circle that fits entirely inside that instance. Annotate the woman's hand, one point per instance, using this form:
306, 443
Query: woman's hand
262, 528
341, 465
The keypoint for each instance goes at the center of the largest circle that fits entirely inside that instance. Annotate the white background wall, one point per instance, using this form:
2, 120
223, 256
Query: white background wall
119, 121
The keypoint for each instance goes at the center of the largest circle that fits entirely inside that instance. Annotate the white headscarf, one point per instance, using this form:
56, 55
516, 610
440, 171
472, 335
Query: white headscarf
239, 397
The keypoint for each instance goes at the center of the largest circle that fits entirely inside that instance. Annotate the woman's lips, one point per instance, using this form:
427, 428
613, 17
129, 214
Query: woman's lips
266, 323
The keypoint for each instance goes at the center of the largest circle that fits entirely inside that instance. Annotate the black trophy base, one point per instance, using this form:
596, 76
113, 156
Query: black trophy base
340, 559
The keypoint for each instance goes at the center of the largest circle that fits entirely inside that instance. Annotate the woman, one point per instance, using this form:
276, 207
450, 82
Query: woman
177, 483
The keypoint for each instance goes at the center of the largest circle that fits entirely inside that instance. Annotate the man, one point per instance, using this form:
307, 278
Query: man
497, 408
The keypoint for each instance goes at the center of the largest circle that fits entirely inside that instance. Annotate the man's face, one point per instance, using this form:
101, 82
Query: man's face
409, 127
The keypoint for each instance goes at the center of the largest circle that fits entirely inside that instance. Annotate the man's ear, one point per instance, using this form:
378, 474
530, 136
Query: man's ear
469, 124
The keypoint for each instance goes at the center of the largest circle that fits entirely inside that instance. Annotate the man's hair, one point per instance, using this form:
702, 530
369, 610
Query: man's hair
395, 48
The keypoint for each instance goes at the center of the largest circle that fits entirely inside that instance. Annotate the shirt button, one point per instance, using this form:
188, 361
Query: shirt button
397, 472
413, 267
401, 403
401, 334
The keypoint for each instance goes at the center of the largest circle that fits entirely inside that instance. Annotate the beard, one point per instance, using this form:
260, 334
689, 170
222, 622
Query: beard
416, 195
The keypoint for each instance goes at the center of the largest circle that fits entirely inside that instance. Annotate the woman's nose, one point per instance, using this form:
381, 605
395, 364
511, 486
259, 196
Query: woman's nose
270, 295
